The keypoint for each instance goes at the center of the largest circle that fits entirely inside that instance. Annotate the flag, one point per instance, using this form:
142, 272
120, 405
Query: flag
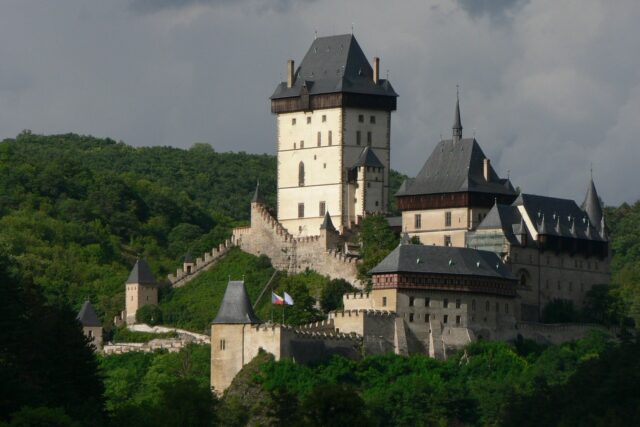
287, 299
275, 299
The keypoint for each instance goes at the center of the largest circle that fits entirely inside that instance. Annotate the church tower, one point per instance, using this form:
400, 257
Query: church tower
142, 289
333, 135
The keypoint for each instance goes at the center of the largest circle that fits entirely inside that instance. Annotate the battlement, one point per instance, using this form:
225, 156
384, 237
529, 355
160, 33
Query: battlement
203, 263
356, 296
323, 330
361, 312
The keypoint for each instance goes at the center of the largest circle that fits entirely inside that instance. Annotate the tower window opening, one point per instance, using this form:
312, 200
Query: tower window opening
372, 120
319, 139
324, 118
322, 208
308, 120
300, 210
330, 139
301, 174
369, 138
358, 138
360, 118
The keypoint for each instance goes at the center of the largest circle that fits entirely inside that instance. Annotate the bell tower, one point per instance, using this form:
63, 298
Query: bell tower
333, 135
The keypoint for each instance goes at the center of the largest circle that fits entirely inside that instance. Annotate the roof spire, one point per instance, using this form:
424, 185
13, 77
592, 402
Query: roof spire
457, 122
591, 204
257, 198
327, 224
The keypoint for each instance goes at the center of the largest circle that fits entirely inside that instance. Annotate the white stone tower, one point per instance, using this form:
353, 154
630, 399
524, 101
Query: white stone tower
333, 132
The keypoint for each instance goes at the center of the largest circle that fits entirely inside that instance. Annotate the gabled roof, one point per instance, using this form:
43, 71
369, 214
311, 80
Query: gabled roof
327, 224
443, 260
368, 158
236, 307
87, 315
592, 205
335, 64
456, 167
141, 274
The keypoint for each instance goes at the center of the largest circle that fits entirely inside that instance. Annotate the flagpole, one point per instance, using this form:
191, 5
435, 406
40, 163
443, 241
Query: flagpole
283, 307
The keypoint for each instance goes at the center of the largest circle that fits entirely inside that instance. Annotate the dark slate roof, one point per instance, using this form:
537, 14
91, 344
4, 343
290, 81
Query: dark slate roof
443, 260
327, 224
236, 307
335, 64
592, 205
87, 315
257, 196
368, 158
456, 167
141, 273
457, 122
562, 217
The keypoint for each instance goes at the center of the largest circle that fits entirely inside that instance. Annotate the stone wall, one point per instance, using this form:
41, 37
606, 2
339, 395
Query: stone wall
267, 236
170, 344
203, 263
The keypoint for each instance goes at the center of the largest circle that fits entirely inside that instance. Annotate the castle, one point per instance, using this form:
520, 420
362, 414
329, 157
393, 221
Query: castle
490, 257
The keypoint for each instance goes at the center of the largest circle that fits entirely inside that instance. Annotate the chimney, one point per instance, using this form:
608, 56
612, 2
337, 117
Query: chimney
486, 167
376, 70
290, 75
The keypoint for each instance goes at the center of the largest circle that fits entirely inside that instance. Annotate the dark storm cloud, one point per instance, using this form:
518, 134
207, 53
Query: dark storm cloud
495, 9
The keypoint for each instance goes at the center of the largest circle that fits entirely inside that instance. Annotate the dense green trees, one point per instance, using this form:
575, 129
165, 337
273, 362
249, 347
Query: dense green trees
589, 382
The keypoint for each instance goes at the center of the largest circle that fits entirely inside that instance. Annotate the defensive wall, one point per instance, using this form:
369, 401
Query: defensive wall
266, 236
203, 263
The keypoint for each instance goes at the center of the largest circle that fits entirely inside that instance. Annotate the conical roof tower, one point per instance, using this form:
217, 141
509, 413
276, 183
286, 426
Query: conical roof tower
87, 315
236, 307
592, 205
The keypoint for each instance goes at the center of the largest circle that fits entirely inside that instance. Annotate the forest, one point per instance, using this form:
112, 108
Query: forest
77, 211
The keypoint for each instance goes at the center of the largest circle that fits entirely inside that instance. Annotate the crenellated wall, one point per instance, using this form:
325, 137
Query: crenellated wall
203, 263
320, 253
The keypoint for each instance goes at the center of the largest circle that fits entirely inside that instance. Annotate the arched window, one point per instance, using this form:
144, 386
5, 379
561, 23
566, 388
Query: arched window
301, 174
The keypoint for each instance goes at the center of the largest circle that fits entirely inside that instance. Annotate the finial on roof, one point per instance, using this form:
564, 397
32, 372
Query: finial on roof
457, 121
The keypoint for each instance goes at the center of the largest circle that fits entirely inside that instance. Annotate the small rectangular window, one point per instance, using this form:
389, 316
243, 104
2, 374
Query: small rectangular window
445, 319
319, 139
293, 122
457, 320
308, 120
458, 303
427, 301
358, 137
411, 301
417, 221
447, 240
324, 118
300, 210
384, 301
410, 317
323, 208
301, 144
369, 138
330, 139
473, 305
447, 219
372, 120
361, 118
445, 303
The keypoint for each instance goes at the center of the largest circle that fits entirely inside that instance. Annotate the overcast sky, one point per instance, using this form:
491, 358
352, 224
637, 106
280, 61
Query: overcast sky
548, 86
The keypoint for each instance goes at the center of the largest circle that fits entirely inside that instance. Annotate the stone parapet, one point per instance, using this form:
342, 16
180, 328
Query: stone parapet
203, 263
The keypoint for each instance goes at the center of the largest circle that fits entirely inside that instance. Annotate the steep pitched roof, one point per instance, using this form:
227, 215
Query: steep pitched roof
368, 158
327, 224
87, 315
456, 167
236, 307
457, 121
335, 64
592, 205
443, 260
257, 196
141, 274
555, 216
